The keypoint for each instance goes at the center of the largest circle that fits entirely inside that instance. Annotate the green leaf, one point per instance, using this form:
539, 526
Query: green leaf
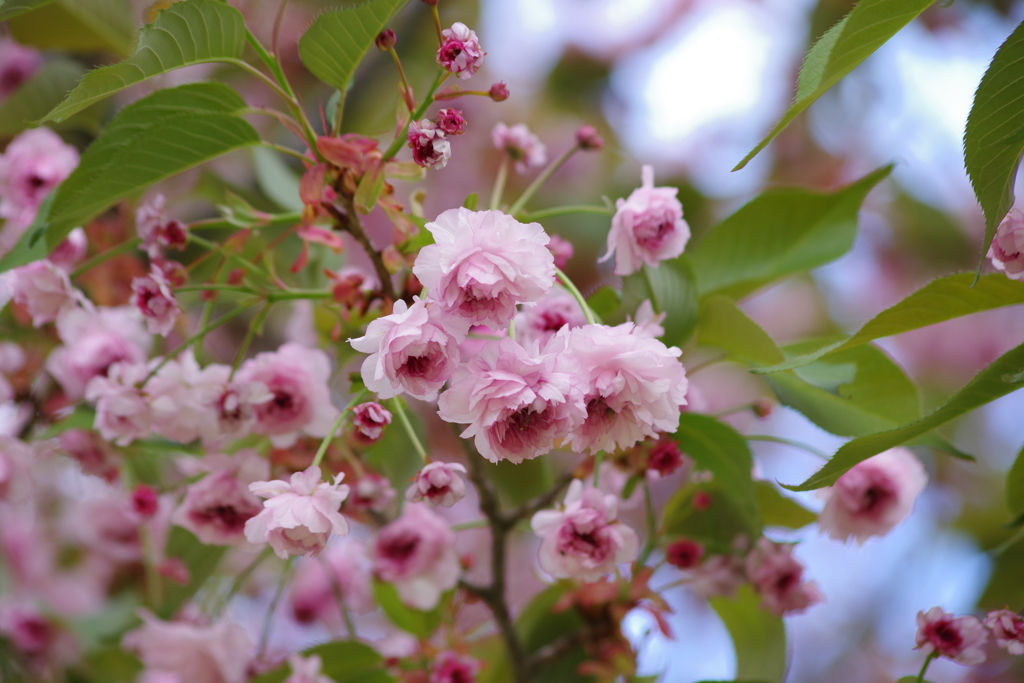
781, 232
998, 379
417, 622
671, 288
604, 302
758, 636
519, 483
946, 298
12, 8
994, 137
911, 679
79, 25
471, 200
865, 29
37, 95
344, 661
201, 561
716, 524
152, 139
724, 325
780, 510
276, 179
30, 246
82, 418
186, 33
1015, 487
538, 625
336, 42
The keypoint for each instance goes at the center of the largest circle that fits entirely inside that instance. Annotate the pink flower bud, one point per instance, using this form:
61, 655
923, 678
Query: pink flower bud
385, 40
460, 52
428, 144
369, 420
684, 553
499, 92
778, 577
1007, 249
144, 501
762, 408
451, 122
1008, 629
588, 138
702, 500
438, 483
665, 457
961, 639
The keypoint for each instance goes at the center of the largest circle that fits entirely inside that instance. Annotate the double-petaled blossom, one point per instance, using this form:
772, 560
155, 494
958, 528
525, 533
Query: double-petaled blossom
438, 483
541, 321
180, 395
341, 570
369, 420
153, 298
633, 386
961, 639
417, 554
217, 653
414, 350
873, 496
778, 578
584, 540
122, 410
429, 147
370, 492
451, 121
516, 405
648, 227
523, 147
1007, 248
452, 667
157, 231
217, 507
484, 263
43, 289
299, 516
231, 411
1008, 629
460, 51
296, 377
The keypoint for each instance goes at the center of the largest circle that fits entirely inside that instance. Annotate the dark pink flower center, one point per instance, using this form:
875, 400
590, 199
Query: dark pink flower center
944, 636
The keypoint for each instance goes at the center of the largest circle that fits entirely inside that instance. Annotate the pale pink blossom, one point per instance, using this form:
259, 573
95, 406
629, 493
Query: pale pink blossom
523, 147
71, 250
460, 53
297, 378
452, 667
648, 227
34, 163
156, 230
232, 413
413, 350
181, 396
539, 322
44, 644
417, 554
778, 578
91, 452
561, 249
300, 515
153, 298
648, 323
369, 420
584, 540
1008, 629
122, 411
429, 147
438, 483
1007, 248
484, 263
110, 527
633, 386
371, 492
873, 496
718, 575
218, 653
17, 64
961, 639
217, 507
43, 289
342, 569
306, 669
516, 406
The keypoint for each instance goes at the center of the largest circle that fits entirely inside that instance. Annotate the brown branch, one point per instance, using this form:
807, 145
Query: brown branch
347, 219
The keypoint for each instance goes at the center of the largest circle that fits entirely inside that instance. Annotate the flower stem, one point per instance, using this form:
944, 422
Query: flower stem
241, 579
255, 327
499, 185
652, 523
285, 150
399, 140
437, 24
403, 417
329, 438
104, 255
401, 74
567, 283
598, 459
268, 621
541, 179
924, 667
562, 211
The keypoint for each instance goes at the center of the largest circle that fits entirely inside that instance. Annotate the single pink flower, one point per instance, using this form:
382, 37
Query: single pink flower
45, 646
371, 492
71, 250
873, 496
633, 386
231, 414
158, 232
218, 653
718, 575
1007, 248
1008, 629
299, 516
451, 121
417, 553
153, 298
516, 406
429, 147
523, 147
438, 483
109, 526
122, 411
541, 321
369, 420
451, 667
43, 289
648, 227
561, 249
217, 507
342, 569
297, 378
484, 263
306, 670
34, 162
460, 52
583, 540
17, 64
414, 350
961, 639
778, 577
684, 553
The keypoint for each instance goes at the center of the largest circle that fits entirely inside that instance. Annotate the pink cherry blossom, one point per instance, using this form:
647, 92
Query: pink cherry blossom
306, 669
961, 639
460, 52
1008, 629
648, 323
371, 492
43, 643
91, 452
561, 249
43, 289
583, 540
718, 575
516, 406
873, 496
451, 121
778, 577
300, 515
232, 412
633, 386
297, 378
17, 64
158, 232
417, 554
438, 483
152, 296
16, 458
429, 147
539, 322
217, 507
369, 420
413, 350
122, 411
1007, 248
684, 553
648, 227
218, 653
109, 526
452, 667
181, 396
71, 250
341, 569
523, 147
484, 263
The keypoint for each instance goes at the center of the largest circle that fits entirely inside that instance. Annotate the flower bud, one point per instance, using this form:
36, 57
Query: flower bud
144, 501
385, 40
499, 92
684, 553
702, 501
588, 138
762, 408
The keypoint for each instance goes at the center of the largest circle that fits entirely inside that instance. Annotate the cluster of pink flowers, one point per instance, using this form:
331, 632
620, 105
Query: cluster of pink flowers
962, 639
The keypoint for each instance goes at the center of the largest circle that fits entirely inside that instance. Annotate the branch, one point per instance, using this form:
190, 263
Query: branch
348, 220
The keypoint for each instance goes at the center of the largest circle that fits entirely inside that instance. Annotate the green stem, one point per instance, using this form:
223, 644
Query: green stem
474, 524
499, 185
541, 179
234, 258
652, 523
396, 404
285, 150
598, 459
241, 579
924, 667
215, 287
104, 255
342, 415
227, 317
255, 327
788, 442
249, 68
291, 294
656, 303
564, 210
221, 224
567, 283
399, 140
268, 621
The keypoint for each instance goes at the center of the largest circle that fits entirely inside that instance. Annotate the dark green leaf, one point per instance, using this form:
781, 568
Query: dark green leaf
843, 47
38, 94
994, 137
152, 139
276, 179
344, 661
672, 289
781, 232
417, 622
604, 302
518, 483
758, 636
716, 526
80, 25
186, 33
1015, 486
336, 42
724, 325
12, 8
201, 561
779, 510
538, 625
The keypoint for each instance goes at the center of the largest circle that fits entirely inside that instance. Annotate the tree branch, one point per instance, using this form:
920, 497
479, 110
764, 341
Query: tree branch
348, 220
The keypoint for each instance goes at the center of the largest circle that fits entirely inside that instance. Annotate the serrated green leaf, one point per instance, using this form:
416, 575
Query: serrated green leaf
994, 137
79, 25
12, 8
1015, 487
758, 637
865, 29
781, 232
201, 561
722, 324
344, 661
779, 510
37, 95
946, 298
417, 622
671, 288
336, 42
154, 138
998, 379
186, 33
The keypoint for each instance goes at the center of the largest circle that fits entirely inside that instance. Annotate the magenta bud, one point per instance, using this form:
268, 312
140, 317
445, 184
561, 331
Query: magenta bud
385, 40
587, 137
499, 92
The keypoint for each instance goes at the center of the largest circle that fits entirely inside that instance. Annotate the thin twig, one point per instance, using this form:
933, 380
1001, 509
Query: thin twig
348, 220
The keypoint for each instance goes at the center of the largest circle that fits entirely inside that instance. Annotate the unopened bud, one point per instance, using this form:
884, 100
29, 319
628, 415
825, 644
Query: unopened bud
236, 276
701, 501
431, 3
499, 92
144, 501
762, 408
587, 137
385, 40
